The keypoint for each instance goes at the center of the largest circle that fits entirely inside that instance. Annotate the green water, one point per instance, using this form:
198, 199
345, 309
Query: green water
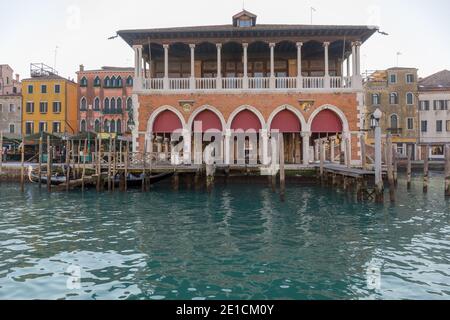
240, 242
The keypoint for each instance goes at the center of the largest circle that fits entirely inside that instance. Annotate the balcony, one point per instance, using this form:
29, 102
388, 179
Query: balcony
395, 131
251, 84
112, 111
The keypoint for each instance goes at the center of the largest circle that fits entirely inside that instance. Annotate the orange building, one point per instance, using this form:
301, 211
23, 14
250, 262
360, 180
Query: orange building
49, 102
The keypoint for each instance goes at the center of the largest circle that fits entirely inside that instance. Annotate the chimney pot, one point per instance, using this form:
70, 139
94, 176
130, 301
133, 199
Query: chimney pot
81, 67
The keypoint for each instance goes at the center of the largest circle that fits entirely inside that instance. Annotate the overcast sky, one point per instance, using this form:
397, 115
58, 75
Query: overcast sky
31, 30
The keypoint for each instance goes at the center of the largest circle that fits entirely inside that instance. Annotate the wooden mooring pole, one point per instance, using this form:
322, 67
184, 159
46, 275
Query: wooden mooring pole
389, 151
426, 169
447, 170
99, 165
126, 165
1, 152
322, 160
49, 164
84, 165
395, 164
109, 163
282, 168
22, 167
40, 162
68, 151
408, 168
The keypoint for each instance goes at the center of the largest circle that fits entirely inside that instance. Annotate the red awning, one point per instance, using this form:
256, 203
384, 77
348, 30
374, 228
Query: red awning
209, 120
245, 121
286, 122
327, 121
167, 122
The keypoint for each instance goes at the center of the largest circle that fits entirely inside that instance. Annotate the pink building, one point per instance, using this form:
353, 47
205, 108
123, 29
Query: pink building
104, 97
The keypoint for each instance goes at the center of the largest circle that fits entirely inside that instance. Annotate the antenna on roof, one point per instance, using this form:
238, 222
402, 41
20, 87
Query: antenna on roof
243, 4
312, 11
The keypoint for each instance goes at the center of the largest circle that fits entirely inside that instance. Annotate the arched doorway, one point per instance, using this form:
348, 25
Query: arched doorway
325, 124
288, 124
246, 125
205, 121
165, 124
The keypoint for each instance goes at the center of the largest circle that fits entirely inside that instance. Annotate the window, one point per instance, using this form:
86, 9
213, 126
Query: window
30, 107
57, 88
245, 23
410, 123
438, 125
43, 88
97, 125
424, 105
400, 149
440, 105
43, 107
112, 127
12, 128
56, 107
83, 104
409, 78
83, 82
119, 126
129, 81
113, 104
394, 121
119, 104
30, 88
130, 125
437, 150
97, 104
409, 99
106, 126
107, 83
42, 127
119, 82
106, 104
393, 78
424, 126
129, 104
83, 126
376, 97
393, 98
12, 108
447, 125
29, 128
113, 82
56, 127
97, 82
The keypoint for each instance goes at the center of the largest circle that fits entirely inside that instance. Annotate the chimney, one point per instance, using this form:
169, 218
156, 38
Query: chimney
17, 78
81, 68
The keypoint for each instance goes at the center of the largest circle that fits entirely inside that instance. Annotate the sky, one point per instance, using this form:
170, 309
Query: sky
78, 31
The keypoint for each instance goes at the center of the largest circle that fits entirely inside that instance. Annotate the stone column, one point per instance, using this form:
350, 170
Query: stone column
227, 147
187, 140
353, 59
245, 80
348, 68
358, 58
332, 155
219, 66
272, 65
166, 66
299, 65
327, 71
192, 80
137, 67
306, 136
264, 134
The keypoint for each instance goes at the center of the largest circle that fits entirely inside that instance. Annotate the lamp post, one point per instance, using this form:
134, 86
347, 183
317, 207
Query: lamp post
375, 124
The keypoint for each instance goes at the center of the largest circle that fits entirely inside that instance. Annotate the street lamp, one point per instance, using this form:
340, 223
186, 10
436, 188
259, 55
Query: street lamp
375, 124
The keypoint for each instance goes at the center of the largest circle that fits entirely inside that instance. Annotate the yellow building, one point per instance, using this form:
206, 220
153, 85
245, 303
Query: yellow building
49, 104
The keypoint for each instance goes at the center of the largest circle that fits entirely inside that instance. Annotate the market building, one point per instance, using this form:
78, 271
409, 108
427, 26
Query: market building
303, 80
10, 101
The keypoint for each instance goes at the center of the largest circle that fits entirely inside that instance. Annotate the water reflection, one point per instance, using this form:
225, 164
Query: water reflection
240, 242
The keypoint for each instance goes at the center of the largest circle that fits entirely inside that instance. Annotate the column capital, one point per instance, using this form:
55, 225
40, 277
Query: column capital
137, 46
306, 134
192, 46
245, 45
272, 45
166, 46
356, 43
219, 45
326, 44
299, 44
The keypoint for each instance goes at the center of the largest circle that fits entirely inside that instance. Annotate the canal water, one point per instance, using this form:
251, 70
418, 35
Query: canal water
240, 242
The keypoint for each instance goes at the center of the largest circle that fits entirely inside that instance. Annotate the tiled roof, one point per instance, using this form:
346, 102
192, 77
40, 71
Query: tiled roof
436, 81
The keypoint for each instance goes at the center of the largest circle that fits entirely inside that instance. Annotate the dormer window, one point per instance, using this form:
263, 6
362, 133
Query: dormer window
244, 19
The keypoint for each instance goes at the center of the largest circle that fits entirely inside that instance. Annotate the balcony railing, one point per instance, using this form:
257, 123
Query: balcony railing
252, 84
